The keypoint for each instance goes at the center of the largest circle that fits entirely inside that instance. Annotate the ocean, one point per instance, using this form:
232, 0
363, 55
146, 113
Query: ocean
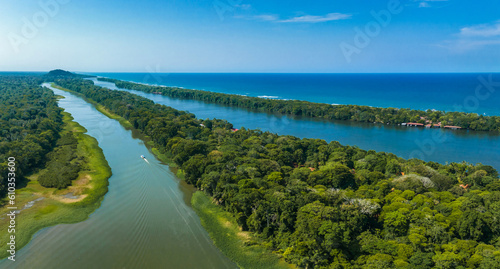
464, 92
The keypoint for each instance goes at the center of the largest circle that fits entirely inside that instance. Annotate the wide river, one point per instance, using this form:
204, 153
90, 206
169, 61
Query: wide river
408, 142
145, 220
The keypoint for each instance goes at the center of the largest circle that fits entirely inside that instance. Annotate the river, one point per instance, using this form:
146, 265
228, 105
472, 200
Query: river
144, 221
436, 145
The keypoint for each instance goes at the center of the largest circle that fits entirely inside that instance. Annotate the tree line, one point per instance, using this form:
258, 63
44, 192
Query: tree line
471, 121
325, 205
30, 122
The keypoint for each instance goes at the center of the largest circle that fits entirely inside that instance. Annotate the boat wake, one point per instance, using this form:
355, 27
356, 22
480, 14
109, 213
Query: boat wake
144, 158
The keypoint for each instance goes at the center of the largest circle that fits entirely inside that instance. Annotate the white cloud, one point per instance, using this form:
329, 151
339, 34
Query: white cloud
266, 17
461, 46
298, 19
424, 4
315, 19
475, 37
482, 30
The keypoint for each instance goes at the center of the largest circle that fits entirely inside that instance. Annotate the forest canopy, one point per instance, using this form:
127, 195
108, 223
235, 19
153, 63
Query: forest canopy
30, 122
325, 205
58, 73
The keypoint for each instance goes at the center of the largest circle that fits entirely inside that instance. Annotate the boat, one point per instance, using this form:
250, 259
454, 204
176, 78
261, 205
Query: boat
142, 156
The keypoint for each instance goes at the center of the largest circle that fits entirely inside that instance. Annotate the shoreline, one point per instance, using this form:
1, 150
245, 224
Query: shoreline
258, 95
199, 206
426, 126
429, 144
253, 201
47, 207
348, 112
239, 246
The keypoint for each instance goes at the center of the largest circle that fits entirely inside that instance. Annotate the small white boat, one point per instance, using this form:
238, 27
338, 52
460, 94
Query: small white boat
142, 156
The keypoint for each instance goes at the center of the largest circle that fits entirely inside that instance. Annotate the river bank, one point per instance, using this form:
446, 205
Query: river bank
236, 246
143, 221
258, 178
125, 123
420, 91
429, 144
396, 115
241, 247
45, 207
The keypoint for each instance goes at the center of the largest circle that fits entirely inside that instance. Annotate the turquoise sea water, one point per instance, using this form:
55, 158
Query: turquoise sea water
467, 92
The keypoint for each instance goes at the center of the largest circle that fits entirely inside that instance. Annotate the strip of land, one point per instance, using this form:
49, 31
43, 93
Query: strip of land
241, 247
40, 207
391, 116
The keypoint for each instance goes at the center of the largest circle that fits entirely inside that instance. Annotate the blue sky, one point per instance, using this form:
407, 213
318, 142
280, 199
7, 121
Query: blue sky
250, 36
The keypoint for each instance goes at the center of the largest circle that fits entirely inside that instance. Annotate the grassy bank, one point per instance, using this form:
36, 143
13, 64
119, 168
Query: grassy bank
99, 107
52, 206
125, 123
241, 247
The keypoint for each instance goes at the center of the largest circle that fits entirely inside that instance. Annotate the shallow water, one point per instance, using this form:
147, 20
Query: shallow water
144, 221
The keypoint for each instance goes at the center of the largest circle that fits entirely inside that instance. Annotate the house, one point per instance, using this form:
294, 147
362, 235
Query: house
452, 127
414, 124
